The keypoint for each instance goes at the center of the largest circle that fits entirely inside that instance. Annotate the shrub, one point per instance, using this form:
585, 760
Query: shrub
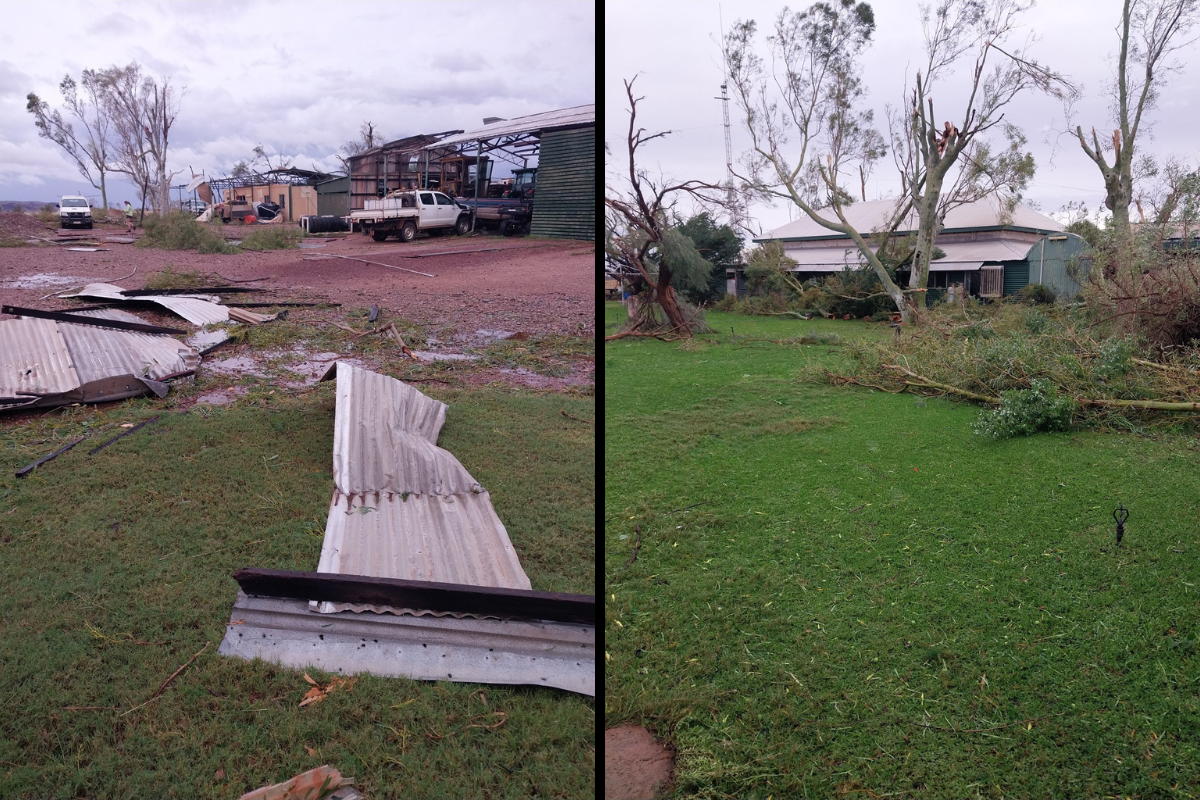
1036, 294
178, 230
1023, 412
272, 237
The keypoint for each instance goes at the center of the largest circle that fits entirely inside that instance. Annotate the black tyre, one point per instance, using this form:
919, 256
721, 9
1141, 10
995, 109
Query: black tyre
408, 232
463, 225
379, 236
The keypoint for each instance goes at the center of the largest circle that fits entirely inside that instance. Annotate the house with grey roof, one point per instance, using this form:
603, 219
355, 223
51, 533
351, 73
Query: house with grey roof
988, 252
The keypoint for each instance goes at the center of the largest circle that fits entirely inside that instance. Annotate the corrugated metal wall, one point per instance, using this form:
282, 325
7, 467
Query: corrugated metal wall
1055, 261
333, 197
565, 202
1016, 275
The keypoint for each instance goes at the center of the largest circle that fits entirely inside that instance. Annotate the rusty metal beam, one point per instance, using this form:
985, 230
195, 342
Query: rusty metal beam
99, 322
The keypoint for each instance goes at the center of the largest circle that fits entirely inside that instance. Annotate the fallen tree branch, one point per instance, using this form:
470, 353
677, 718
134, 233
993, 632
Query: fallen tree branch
1029, 721
658, 336
637, 544
926, 383
174, 675
577, 419
1152, 405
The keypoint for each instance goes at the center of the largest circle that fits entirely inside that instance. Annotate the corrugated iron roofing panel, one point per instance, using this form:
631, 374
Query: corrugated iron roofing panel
428, 537
34, 358
875, 214
547, 120
194, 309
405, 508
100, 353
373, 417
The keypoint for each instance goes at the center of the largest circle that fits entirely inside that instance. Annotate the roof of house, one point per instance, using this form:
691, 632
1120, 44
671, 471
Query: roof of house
873, 215
834, 257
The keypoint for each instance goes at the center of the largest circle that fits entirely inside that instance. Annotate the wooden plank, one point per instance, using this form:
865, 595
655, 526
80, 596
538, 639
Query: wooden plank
426, 595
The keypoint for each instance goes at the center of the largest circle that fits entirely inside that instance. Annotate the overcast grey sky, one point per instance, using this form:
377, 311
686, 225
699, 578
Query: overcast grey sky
296, 77
673, 45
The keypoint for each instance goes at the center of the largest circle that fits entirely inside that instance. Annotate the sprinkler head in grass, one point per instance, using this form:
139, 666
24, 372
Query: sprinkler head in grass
1120, 514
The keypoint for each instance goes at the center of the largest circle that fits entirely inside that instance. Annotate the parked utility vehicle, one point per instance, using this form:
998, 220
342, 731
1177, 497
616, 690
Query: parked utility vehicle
74, 211
404, 213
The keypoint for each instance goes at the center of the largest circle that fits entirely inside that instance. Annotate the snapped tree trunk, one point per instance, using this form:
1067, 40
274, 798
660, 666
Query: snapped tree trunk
664, 295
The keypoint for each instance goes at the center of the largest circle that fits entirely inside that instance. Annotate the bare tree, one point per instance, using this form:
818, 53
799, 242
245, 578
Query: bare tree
143, 110
88, 150
368, 138
950, 165
640, 236
1150, 32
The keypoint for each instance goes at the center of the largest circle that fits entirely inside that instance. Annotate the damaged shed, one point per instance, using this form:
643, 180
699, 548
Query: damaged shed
563, 144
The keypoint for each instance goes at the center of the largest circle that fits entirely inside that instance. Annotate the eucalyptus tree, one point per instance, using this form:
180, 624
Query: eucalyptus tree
89, 146
1150, 33
805, 121
956, 163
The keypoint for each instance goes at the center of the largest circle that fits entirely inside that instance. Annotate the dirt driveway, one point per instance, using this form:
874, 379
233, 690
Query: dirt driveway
535, 286
476, 290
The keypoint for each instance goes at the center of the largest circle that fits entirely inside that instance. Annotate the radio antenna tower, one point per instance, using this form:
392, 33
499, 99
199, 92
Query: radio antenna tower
724, 98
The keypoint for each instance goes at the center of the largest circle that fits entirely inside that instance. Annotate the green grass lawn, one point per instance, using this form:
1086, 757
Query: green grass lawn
116, 569
844, 592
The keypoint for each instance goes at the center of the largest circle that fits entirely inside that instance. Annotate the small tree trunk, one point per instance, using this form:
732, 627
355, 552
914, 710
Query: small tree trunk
103, 194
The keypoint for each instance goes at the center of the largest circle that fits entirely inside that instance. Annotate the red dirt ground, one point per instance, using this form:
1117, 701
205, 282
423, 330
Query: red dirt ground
635, 765
537, 286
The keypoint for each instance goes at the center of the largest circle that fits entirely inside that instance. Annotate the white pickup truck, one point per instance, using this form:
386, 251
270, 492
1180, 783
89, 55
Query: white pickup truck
75, 211
404, 213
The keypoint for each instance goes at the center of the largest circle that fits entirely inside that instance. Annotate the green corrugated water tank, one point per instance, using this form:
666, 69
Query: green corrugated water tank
1057, 260
564, 205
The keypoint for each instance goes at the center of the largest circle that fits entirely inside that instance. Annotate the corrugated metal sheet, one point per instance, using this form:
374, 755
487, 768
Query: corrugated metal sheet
566, 185
34, 358
404, 507
414, 513
194, 309
283, 631
547, 120
49, 358
444, 538
100, 353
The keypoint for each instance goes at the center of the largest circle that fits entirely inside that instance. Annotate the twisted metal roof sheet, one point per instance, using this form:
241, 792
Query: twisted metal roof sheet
404, 507
197, 310
533, 123
49, 358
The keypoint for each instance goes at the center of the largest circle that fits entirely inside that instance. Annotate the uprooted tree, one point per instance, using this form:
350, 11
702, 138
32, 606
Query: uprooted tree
641, 239
812, 94
88, 148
